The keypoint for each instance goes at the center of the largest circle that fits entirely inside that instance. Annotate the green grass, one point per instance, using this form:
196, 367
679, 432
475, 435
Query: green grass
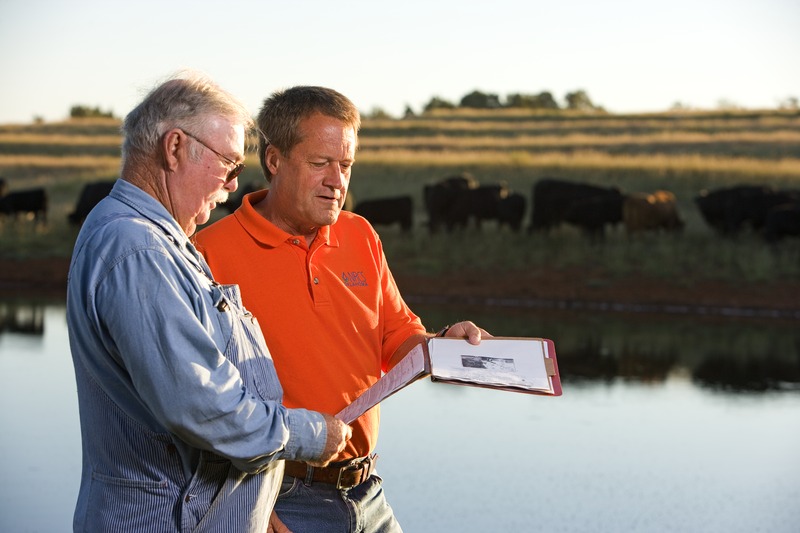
681, 259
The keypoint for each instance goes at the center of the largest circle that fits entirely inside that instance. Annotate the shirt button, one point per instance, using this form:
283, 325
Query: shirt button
316, 281
295, 241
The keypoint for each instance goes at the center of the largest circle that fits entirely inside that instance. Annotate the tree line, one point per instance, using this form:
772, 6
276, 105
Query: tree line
577, 100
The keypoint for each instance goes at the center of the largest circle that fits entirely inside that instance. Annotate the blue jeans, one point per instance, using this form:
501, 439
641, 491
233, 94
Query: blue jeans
321, 508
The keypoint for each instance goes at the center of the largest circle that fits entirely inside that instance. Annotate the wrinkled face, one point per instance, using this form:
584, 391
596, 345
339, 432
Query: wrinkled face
309, 184
203, 182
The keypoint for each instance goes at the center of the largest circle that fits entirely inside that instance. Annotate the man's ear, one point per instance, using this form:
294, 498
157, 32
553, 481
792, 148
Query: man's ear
171, 143
272, 159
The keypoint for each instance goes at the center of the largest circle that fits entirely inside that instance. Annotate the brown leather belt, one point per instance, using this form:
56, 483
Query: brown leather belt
343, 475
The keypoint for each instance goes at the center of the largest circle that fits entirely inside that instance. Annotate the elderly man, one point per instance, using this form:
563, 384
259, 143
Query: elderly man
317, 279
181, 420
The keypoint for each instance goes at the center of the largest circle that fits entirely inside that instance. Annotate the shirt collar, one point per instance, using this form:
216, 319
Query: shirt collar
149, 208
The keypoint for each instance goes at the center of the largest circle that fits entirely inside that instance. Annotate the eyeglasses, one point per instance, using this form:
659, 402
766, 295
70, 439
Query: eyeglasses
232, 173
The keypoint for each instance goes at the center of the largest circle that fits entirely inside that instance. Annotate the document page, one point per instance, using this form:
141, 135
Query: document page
501, 363
408, 370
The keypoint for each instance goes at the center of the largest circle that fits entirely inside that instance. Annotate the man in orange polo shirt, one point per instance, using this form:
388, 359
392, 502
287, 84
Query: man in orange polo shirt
317, 280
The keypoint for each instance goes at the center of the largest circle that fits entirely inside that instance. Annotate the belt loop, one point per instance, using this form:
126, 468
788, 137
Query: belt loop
309, 476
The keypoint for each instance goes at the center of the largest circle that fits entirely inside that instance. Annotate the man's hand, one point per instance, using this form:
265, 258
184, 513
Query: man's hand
338, 433
468, 330
275, 525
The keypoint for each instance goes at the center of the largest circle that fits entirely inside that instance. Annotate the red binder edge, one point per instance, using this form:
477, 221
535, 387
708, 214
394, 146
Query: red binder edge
556, 379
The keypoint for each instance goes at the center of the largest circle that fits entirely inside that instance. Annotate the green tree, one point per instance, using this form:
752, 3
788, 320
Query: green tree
543, 100
480, 100
83, 111
580, 101
438, 103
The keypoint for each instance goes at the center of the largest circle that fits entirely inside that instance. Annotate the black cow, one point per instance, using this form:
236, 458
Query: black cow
593, 214
775, 199
511, 210
442, 198
28, 201
587, 206
479, 203
387, 211
91, 194
782, 221
729, 210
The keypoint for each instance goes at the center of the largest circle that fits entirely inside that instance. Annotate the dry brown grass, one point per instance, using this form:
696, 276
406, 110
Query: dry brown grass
520, 121
588, 160
569, 140
45, 139
56, 162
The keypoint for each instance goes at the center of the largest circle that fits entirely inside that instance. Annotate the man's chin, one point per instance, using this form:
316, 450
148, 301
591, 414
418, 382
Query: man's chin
203, 217
333, 217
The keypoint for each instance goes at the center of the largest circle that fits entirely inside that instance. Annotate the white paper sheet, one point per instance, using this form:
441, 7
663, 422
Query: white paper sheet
493, 362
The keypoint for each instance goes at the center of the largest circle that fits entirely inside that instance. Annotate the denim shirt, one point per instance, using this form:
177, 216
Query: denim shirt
181, 420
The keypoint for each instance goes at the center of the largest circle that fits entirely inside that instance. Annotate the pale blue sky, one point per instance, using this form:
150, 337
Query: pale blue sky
629, 55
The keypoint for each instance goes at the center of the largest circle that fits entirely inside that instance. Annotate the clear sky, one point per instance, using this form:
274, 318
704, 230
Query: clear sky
628, 55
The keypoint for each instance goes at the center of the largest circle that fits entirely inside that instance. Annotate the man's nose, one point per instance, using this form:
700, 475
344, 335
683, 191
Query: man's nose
336, 178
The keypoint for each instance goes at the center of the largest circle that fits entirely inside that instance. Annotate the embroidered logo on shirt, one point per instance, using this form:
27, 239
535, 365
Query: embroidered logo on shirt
354, 279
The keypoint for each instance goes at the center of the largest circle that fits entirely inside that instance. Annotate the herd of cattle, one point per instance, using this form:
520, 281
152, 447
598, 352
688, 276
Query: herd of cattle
33, 202
457, 202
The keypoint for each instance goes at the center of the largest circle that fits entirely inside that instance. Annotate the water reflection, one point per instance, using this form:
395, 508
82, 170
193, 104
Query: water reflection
723, 354
750, 374
26, 318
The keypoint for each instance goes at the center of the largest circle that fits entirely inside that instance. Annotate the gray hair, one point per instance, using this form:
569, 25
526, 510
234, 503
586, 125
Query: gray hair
278, 121
186, 100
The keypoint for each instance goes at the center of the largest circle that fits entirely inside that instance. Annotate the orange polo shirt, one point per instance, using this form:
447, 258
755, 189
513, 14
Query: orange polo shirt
332, 315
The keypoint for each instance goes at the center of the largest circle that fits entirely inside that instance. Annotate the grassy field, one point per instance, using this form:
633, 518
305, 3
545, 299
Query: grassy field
682, 152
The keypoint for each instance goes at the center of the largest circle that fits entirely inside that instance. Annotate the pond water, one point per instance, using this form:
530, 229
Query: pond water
666, 424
